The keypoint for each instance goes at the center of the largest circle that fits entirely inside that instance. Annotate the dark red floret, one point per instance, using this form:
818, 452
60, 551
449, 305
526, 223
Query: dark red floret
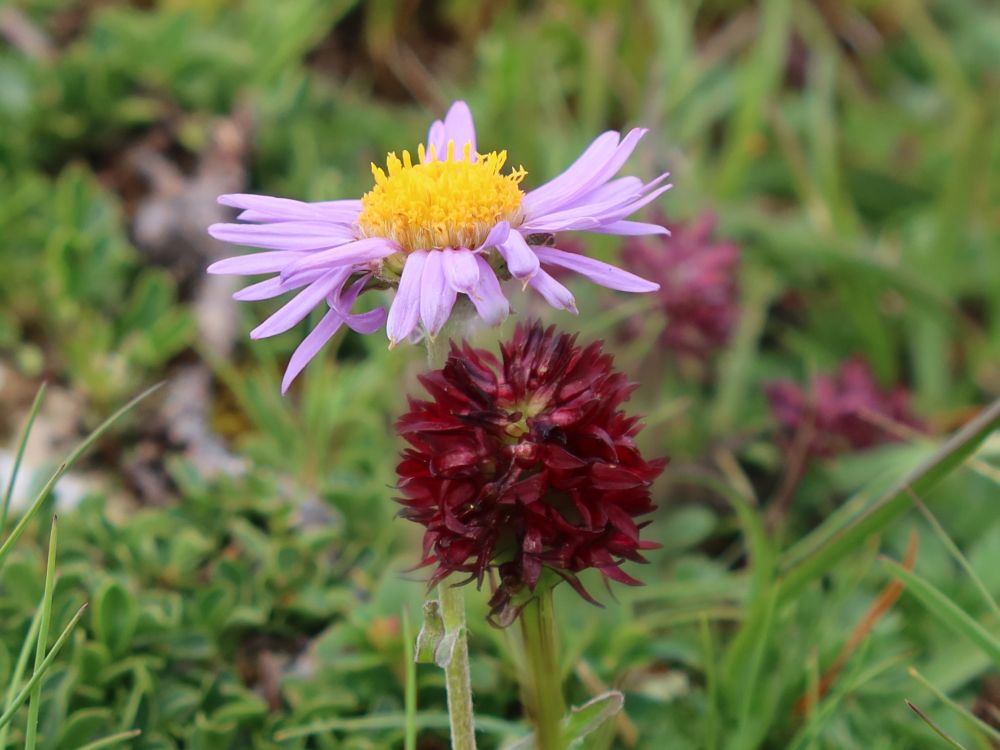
524, 463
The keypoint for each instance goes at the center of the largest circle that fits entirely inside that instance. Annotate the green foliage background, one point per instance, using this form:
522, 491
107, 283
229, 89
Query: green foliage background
850, 147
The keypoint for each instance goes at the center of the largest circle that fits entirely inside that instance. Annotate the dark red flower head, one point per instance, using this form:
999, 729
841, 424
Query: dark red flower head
841, 412
526, 463
698, 286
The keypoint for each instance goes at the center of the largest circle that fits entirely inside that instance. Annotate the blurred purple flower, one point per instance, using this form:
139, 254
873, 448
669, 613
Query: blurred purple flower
841, 413
448, 223
698, 286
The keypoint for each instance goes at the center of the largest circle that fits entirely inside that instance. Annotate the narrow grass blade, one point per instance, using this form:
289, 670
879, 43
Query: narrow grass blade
952, 742
410, 697
956, 553
111, 740
64, 467
31, 733
19, 669
949, 613
962, 711
874, 519
19, 456
39, 673
711, 686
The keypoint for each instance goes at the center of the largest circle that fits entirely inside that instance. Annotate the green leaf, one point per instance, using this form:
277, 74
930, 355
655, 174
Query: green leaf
115, 615
590, 717
431, 634
84, 725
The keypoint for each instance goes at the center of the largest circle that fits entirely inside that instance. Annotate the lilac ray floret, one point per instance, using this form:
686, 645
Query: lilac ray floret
359, 251
522, 262
461, 270
295, 311
266, 209
255, 263
488, 298
288, 235
330, 323
597, 271
553, 292
405, 309
457, 127
437, 296
274, 287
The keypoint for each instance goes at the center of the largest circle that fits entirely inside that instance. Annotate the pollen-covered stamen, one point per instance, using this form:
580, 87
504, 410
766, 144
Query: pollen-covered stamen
435, 203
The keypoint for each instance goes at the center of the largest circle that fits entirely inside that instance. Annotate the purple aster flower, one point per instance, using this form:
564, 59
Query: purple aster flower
841, 413
698, 285
449, 223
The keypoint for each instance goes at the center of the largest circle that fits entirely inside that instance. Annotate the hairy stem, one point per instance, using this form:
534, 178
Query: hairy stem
456, 672
452, 602
542, 686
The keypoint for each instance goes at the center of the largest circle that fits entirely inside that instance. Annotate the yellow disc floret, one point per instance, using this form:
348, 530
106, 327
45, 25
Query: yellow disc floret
453, 202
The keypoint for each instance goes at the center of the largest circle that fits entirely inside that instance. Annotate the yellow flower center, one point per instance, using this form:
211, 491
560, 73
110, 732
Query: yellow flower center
440, 203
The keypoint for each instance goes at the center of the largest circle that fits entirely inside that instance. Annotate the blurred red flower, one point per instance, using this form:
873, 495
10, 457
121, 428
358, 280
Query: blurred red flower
841, 412
698, 286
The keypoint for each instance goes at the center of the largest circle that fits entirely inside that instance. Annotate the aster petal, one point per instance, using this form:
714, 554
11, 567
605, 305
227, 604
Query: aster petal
310, 346
437, 297
553, 292
286, 235
521, 260
266, 208
461, 270
273, 287
299, 307
631, 228
617, 194
497, 235
488, 298
405, 309
590, 216
622, 188
437, 141
364, 323
367, 322
254, 263
361, 251
459, 127
597, 271
554, 191
596, 173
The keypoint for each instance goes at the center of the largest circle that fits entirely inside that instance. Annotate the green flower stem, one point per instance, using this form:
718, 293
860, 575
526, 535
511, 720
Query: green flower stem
452, 602
542, 686
456, 672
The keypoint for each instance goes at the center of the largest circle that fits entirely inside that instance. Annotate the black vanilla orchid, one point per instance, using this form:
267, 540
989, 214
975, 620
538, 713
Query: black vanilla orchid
524, 463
